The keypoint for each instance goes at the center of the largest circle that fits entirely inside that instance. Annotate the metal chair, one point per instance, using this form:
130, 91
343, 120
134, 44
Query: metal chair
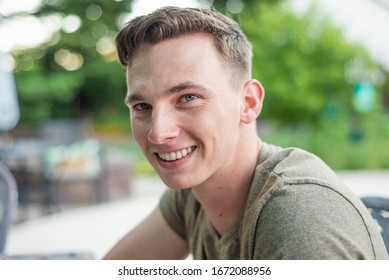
8, 202
379, 208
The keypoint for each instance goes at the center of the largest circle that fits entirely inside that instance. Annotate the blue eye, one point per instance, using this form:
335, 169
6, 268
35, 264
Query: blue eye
188, 98
142, 106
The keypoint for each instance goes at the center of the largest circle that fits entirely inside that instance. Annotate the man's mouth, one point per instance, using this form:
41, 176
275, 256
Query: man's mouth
177, 154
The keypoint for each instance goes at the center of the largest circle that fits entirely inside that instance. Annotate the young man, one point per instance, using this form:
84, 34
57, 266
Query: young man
193, 113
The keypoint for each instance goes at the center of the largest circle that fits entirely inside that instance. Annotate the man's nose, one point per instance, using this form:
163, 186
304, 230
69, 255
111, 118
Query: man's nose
163, 127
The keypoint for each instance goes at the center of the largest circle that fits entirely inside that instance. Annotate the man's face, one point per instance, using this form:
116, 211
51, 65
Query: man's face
185, 113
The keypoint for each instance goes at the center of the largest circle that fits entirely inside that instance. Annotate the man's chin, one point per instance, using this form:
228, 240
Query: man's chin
175, 183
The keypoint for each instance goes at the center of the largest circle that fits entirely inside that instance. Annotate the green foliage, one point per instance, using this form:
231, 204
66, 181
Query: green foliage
340, 143
76, 73
303, 63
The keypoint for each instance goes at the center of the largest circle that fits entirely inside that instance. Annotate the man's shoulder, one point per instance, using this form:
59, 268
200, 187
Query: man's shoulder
293, 173
298, 207
296, 166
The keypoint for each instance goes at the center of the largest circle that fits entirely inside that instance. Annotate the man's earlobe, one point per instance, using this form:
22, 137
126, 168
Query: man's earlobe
253, 95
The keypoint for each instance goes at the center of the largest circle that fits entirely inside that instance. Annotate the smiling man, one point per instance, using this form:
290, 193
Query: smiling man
194, 107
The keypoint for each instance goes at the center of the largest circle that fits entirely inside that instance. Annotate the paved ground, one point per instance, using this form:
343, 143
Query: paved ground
367, 182
96, 228
91, 229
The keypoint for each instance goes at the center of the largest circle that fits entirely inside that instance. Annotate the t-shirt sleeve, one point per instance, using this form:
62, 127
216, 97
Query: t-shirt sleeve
171, 206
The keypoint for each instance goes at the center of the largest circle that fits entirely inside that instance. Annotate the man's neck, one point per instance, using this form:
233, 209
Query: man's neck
224, 198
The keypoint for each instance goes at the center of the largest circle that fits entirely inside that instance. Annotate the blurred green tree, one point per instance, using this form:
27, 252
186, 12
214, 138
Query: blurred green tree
75, 73
305, 64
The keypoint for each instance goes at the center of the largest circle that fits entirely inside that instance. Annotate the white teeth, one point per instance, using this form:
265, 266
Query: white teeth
175, 155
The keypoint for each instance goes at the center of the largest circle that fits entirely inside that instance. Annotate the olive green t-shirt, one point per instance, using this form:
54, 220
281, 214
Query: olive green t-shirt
297, 208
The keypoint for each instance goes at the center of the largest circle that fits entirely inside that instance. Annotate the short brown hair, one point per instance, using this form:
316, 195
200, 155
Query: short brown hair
168, 22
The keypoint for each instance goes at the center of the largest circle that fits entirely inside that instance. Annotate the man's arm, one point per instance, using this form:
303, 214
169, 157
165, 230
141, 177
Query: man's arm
152, 239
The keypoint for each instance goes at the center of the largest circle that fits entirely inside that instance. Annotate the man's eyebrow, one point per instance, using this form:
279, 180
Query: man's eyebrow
185, 86
130, 98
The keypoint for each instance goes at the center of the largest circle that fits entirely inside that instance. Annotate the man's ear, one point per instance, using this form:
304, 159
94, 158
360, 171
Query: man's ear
252, 99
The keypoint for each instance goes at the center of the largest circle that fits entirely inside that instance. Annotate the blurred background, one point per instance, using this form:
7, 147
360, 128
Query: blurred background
66, 135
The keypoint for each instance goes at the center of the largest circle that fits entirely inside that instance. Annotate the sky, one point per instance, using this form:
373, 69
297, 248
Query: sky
363, 21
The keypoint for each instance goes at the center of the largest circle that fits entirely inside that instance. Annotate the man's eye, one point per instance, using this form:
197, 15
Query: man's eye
188, 98
142, 106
